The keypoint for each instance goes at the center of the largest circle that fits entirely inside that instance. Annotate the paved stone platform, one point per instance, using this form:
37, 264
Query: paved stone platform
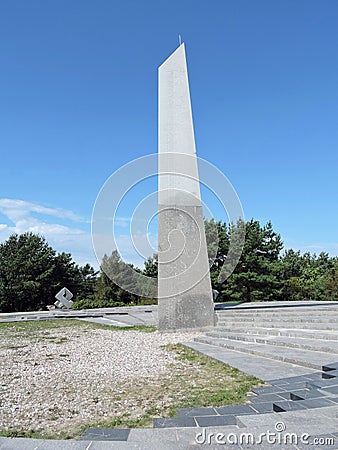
119, 316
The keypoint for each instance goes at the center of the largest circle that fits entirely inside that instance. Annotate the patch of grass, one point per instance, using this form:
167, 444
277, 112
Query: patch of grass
221, 384
123, 421
33, 326
202, 381
34, 434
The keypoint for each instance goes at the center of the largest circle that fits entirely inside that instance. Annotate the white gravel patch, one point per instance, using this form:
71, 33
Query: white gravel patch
51, 385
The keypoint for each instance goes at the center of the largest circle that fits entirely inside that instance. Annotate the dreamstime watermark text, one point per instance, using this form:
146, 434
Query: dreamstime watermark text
279, 436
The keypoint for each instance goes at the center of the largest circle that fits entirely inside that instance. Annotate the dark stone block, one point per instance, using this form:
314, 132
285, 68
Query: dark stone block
211, 421
295, 397
295, 386
263, 407
287, 380
330, 374
324, 383
304, 394
313, 376
315, 403
269, 389
331, 389
106, 434
194, 412
264, 398
328, 367
287, 406
236, 410
174, 422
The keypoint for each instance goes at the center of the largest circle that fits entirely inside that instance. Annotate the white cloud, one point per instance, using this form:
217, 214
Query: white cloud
16, 209
65, 236
27, 217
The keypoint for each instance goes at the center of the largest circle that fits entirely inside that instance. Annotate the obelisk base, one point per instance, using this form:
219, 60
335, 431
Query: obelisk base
185, 295
191, 312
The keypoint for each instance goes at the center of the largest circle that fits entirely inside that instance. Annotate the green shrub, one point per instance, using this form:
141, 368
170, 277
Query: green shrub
92, 304
147, 301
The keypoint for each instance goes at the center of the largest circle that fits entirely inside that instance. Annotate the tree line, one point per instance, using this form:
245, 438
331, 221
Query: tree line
32, 272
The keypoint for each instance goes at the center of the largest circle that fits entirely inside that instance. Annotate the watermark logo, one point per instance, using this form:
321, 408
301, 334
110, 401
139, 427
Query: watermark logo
129, 177
279, 436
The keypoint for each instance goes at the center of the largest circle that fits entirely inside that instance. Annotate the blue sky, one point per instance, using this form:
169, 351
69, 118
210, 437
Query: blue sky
78, 100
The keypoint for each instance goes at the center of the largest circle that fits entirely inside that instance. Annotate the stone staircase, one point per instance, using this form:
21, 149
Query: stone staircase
305, 336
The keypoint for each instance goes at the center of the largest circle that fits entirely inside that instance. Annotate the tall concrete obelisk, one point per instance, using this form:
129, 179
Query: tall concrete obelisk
184, 288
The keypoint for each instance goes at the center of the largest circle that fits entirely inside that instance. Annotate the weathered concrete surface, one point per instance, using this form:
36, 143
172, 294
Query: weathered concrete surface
184, 288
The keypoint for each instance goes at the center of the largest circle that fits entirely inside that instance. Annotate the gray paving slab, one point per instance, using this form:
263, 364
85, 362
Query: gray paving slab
263, 398
106, 434
150, 318
274, 389
315, 402
235, 410
322, 383
327, 411
307, 394
331, 389
153, 435
194, 412
301, 357
127, 319
104, 321
288, 406
39, 444
163, 445
176, 422
105, 445
266, 407
260, 367
208, 421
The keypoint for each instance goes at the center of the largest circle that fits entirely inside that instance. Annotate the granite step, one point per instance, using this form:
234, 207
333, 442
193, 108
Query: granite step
332, 318
278, 311
285, 332
315, 344
265, 368
319, 326
300, 357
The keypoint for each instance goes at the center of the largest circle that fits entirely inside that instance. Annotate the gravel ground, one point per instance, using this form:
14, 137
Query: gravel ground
55, 382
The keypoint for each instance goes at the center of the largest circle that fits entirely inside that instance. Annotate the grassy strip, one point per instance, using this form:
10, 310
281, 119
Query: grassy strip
33, 326
203, 382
